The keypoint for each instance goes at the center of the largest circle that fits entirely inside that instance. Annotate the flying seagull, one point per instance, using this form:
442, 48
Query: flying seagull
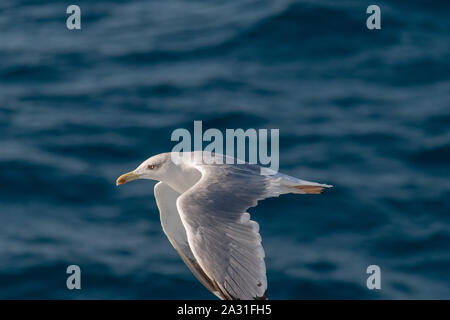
203, 207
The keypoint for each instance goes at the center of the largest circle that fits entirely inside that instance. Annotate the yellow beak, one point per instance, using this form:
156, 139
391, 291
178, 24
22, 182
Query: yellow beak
130, 176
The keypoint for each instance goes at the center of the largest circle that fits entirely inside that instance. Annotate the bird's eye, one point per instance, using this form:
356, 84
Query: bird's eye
151, 166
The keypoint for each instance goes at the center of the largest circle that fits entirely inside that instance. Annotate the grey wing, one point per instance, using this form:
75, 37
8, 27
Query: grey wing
223, 239
172, 226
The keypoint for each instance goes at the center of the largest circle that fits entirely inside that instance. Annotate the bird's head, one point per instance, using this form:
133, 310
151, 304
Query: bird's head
154, 168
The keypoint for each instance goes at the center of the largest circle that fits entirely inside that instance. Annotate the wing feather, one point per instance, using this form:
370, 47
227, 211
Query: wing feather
221, 235
173, 228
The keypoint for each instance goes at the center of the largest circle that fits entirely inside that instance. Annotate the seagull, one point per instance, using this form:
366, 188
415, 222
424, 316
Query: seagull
203, 207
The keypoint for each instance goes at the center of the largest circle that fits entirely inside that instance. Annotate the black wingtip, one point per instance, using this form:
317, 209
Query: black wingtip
264, 296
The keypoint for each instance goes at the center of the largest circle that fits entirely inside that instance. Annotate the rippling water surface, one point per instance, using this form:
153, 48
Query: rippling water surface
367, 111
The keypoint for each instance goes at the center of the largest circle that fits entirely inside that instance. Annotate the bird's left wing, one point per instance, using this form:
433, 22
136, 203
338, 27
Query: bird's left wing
172, 226
223, 239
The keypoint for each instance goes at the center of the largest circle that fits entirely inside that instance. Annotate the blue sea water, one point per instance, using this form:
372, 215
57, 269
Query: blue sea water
366, 111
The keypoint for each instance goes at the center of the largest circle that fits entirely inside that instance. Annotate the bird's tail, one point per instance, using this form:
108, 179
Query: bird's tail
288, 184
309, 189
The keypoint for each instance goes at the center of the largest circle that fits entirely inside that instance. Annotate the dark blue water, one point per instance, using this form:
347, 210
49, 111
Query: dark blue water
366, 111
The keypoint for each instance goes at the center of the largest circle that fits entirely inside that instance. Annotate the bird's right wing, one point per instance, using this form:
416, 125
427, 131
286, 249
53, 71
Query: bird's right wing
223, 239
172, 226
